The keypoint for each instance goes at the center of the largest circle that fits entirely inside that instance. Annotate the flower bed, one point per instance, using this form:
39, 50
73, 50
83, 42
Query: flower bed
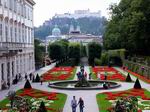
139, 76
59, 73
112, 73
107, 100
53, 101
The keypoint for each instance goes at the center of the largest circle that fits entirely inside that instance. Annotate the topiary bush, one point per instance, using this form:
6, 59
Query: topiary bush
37, 79
137, 84
128, 79
97, 61
42, 107
27, 85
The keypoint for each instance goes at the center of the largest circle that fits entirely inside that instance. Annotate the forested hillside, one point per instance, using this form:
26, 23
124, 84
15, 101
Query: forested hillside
91, 25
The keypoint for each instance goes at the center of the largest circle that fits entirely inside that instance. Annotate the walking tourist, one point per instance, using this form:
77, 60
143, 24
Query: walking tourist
41, 79
8, 84
90, 74
30, 75
81, 104
26, 77
20, 77
74, 104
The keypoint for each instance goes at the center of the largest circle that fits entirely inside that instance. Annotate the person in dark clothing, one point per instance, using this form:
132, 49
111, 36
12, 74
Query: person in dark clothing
81, 104
30, 75
41, 80
8, 84
90, 74
26, 77
33, 78
19, 76
16, 79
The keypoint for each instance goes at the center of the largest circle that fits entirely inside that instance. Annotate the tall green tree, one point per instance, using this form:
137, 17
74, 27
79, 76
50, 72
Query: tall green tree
56, 51
129, 27
74, 51
94, 50
39, 53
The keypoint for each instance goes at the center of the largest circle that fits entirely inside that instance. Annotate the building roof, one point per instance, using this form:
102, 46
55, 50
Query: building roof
31, 2
56, 31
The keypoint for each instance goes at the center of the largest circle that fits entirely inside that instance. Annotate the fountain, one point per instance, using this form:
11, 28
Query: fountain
83, 84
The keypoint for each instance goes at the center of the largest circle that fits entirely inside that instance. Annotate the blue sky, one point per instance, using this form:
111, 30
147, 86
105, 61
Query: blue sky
45, 9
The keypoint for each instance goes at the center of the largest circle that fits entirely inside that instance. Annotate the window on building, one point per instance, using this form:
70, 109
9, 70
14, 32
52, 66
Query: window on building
18, 7
0, 2
17, 65
6, 33
11, 33
10, 4
8, 71
21, 9
2, 70
23, 35
1, 28
15, 34
19, 36
12, 69
15, 5
24, 12
6, 3
26, 33
29, 37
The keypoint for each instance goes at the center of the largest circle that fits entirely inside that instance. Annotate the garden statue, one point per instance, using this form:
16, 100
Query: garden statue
82, 81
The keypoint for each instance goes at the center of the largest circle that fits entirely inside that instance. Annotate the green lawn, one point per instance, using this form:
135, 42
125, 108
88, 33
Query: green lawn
93, 74
73, 74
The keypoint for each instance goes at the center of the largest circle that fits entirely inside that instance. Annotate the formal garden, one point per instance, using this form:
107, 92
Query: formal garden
115, 78
134, 99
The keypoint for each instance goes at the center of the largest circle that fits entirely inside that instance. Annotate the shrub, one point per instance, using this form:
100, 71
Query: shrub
137, 84
104, 59
128, 79
27, 85
42, 107
37, 79
97, 61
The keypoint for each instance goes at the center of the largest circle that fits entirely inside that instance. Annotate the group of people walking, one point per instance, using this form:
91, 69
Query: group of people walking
74, 104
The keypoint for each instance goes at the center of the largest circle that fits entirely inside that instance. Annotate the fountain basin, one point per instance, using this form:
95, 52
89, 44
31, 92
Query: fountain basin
95, 85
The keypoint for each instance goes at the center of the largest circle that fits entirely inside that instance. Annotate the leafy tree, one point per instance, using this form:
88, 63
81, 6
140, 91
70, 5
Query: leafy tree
94, 50
39, 52
129, 27
74, 51
56, 51
83, 52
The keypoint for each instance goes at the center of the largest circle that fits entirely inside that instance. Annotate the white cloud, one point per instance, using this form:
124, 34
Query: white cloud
45, 9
